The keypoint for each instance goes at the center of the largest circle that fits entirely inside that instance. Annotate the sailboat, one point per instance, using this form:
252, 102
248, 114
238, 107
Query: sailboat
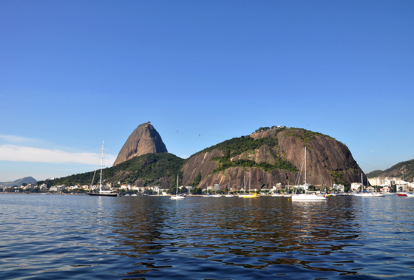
251, 195
244, 187
101, 192
229, 194
307, 196
215, 194
367, 194
177, 196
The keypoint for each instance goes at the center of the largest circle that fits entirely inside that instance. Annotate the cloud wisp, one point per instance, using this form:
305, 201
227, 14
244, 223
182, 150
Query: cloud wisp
30, 154
15, 139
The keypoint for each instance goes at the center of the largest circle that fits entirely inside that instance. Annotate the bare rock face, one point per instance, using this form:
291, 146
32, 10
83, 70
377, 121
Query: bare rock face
328, 162
144, 140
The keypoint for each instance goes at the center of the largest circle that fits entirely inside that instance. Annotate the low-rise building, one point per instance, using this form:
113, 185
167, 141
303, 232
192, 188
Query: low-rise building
402, 187
338, 188
356, 187
303, 187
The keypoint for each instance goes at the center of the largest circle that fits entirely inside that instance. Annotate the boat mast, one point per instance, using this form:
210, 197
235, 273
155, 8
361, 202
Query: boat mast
305, 166
100, 180
250, 180
362, 183
176, 192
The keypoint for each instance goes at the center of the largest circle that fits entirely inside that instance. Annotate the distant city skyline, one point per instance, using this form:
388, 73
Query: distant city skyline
76, 73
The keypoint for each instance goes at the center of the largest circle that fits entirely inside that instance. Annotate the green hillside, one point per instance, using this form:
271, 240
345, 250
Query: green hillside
406, 167
397, 170
375, 173
239, 145
149, 169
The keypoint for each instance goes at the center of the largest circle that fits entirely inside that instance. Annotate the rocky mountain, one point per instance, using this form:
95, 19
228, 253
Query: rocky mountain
143, 140
19, 182
397, 170
267, 156
273, 156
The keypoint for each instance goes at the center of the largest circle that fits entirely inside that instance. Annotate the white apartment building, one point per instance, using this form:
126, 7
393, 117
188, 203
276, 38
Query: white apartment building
303, 187
338, 188
355, 187
400, 185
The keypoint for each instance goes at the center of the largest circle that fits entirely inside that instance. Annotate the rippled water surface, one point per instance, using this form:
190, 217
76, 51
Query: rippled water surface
57, 236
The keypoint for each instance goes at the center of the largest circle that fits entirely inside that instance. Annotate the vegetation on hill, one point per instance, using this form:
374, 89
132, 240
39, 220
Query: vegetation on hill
280, 164
407, 166
239, 145
261, 129
374, 173
304, 134
150, 168
196, 180
339, 178
397, 170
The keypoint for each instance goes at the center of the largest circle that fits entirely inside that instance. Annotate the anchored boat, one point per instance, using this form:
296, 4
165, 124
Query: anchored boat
101, 192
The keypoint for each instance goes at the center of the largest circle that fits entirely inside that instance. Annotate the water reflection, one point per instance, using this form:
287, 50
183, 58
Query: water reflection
204, 238
239, 233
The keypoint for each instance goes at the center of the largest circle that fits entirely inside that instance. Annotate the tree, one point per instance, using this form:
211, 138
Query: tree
197, 180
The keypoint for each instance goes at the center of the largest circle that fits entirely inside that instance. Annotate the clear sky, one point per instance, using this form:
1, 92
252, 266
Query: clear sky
76, 73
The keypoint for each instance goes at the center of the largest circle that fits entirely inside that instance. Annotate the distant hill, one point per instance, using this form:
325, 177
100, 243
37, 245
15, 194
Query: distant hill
375, 173
397, 170
19, 182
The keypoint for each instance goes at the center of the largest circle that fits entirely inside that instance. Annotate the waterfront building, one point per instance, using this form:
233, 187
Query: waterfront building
356, 187
338, 188
303, 187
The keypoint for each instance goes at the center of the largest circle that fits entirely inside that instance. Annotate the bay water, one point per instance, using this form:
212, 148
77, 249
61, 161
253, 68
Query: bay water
149, 237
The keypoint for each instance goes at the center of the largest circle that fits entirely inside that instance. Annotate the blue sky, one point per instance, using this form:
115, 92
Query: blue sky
75, 73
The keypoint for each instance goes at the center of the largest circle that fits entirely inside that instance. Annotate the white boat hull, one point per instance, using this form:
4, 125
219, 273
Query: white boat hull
370, 194
307, 197
103, 194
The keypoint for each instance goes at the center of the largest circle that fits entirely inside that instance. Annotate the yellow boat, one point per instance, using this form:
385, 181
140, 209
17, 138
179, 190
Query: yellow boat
252, 195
